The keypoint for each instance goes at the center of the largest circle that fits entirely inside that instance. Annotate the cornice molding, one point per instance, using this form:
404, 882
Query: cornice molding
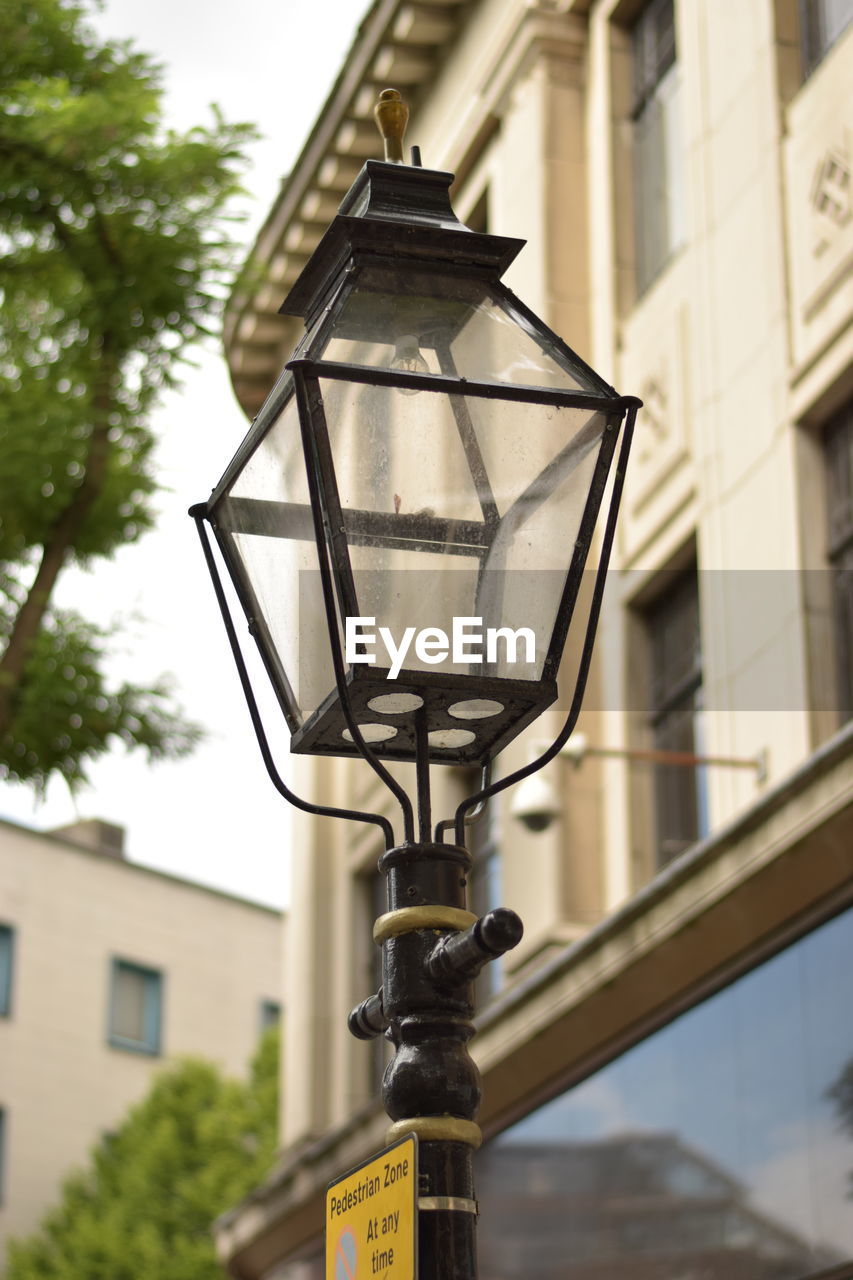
398, 43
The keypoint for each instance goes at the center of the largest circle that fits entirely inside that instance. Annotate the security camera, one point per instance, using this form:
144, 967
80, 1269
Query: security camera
535, 803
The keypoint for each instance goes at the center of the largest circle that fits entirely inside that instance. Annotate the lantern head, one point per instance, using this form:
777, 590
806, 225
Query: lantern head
409, 517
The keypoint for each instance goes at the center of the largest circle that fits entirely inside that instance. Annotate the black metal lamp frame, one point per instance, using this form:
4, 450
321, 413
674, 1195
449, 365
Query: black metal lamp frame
432, 946
323, 519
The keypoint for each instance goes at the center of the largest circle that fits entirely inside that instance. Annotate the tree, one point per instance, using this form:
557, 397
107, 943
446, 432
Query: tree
114, 255
840, 1093
143, 1210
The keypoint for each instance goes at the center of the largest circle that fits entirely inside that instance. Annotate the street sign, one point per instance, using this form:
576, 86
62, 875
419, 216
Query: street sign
371, 1217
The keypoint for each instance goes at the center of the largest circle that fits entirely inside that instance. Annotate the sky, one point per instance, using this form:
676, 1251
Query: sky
214, 817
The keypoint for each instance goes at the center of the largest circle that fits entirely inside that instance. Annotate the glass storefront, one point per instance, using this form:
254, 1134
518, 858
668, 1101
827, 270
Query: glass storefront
721, 1146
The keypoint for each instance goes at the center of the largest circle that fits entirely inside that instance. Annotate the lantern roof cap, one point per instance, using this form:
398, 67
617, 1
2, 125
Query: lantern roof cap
396, 211
402, 192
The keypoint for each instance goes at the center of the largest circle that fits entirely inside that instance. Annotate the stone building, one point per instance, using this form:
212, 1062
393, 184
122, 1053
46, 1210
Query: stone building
108, 971
674, 1028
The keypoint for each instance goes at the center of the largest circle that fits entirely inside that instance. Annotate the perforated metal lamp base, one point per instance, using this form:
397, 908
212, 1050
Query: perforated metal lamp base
469, 722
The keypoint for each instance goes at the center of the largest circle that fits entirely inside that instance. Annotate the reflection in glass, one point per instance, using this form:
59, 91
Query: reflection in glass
446, 324
720, 1147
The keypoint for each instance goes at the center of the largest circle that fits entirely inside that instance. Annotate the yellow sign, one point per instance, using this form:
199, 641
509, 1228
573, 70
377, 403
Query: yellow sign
371, 1217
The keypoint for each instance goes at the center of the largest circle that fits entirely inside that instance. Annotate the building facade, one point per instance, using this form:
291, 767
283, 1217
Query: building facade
667, 1057
108, 971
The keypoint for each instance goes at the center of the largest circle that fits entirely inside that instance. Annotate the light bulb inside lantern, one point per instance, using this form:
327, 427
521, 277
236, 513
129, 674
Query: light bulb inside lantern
408, 359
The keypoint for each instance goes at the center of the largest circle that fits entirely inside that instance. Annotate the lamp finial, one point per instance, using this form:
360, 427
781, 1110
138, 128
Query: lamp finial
392, 116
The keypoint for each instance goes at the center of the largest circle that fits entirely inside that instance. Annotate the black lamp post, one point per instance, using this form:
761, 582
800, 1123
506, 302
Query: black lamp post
406, 525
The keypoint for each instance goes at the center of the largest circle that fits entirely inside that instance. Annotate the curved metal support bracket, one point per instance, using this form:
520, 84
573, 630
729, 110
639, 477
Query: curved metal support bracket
199, 515
471, 817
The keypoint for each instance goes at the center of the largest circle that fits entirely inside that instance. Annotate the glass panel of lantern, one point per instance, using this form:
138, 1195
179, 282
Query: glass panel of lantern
460, 448
262, 518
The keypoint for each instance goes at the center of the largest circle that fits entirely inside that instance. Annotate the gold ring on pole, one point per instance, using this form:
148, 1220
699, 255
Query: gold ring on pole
437, 1129
408, 919
454, 1204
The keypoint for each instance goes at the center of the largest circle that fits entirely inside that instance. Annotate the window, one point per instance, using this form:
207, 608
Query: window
675, 710
478, 218
485, 891
821, 23
377, 904
270, 1014
135, 1007
719, 1146
838, 442
656, 115
7, 951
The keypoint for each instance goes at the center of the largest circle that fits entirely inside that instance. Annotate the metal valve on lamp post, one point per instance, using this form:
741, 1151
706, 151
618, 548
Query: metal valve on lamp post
455, 958
433, 453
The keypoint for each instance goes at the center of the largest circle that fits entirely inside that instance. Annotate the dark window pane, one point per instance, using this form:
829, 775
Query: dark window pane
838, 440
721, 1147
652, 48
478, 218
839, 478
380, 1048
7, 950
675, 714
658, 213
485, 891
821, 23
270, 1014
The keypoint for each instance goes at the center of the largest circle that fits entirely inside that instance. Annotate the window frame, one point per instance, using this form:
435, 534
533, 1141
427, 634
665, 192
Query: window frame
655, 117
152, 1043
762, 951
269, 1014
815, 40
670, 699
485, 888
7, 968
837, 443
376, 896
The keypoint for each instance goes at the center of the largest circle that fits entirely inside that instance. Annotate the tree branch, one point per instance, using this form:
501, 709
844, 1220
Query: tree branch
59, 542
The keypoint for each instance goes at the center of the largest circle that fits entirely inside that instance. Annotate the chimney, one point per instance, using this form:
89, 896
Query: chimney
94, 833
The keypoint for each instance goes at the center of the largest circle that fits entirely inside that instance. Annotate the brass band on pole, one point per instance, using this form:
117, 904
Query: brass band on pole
453, 1204
392, 116
437, 1129
408, 919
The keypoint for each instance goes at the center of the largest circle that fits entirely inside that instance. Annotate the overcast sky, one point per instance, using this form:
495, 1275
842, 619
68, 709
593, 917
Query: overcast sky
214, 817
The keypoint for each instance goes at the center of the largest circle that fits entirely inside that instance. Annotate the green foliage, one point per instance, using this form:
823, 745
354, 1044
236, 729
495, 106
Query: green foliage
143, 1210
75, 722
114, 258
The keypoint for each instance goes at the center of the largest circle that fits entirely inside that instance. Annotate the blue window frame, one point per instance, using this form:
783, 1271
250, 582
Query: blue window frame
7, 955
136, 1006
270, 1014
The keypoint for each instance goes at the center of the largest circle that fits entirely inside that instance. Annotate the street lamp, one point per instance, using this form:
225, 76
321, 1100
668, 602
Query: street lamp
406, 526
